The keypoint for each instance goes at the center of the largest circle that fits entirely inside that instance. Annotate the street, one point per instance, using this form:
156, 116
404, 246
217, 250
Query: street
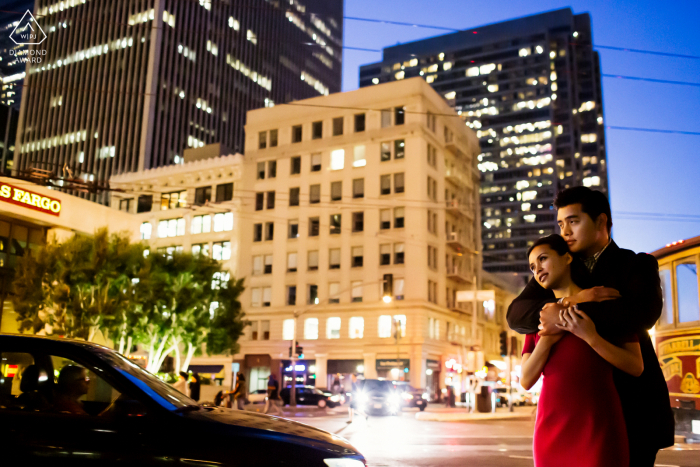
406, 442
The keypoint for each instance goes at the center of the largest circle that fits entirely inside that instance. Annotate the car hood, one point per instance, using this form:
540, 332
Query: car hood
268, 426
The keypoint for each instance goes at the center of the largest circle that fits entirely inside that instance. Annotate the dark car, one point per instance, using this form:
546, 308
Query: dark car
73, 403
410, 396
378, 397
310, 395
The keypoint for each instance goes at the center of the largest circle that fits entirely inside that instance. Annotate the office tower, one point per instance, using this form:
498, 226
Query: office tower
366, 224
127, 86
531, 89
11, 53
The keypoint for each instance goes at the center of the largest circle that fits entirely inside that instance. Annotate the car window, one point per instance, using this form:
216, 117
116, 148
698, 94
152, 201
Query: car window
316, 391
376, 385
162, 393
51, 383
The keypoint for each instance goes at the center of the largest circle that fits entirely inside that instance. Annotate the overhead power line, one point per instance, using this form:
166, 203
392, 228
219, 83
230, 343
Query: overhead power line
651, 80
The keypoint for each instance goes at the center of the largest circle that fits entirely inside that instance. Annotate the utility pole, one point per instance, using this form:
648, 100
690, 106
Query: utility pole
293, 359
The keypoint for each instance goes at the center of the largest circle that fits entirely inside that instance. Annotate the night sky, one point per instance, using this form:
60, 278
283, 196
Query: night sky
648, 172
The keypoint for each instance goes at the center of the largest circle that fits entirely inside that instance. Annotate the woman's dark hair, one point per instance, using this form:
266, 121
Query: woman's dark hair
579, 273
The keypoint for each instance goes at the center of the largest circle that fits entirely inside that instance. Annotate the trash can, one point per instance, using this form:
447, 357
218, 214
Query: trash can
484, 400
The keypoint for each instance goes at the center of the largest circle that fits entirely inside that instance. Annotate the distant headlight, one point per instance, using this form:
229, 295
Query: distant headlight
407, 396
343, 463
335, 398
362, 398
425, 396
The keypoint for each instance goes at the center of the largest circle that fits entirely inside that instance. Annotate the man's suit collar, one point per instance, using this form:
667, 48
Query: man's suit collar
606, 256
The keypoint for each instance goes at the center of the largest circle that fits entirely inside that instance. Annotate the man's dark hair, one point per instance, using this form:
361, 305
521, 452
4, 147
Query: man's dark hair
579, 274
594, 203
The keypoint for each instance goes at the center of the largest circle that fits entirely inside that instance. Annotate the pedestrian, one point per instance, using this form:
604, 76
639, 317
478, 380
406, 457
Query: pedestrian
195, 386
355, 399
625, 301
272, 399
239, 392
182, 384
335, 388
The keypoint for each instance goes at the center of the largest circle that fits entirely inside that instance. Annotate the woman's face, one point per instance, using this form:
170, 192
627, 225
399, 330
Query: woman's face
548, 267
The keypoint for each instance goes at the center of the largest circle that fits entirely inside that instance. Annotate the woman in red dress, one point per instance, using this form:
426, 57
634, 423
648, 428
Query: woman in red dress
579, 417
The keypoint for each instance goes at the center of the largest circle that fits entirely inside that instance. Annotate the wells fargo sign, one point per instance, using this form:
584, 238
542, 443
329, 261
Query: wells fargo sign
689, 345
28, 199
680, 358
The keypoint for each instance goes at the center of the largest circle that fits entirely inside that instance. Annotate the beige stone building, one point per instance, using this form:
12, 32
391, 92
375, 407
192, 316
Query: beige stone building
348, 199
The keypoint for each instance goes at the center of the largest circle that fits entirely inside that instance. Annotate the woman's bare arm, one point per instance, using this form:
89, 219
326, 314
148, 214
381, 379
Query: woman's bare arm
533, 363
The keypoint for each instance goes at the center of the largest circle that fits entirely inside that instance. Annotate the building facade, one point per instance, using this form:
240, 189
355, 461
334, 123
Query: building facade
31, 215
126, 86
531, 90
362, 226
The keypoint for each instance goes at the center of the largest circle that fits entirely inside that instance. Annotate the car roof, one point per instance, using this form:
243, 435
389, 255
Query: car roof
50, 341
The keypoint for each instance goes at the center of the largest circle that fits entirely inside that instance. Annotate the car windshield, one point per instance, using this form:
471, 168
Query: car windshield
376, 385
163, 393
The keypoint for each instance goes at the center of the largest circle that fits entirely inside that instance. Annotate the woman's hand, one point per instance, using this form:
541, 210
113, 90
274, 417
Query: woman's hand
578, 323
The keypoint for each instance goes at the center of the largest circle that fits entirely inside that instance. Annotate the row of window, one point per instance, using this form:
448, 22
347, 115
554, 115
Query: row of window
220, 250
178, 199
266, 200
262, 264
222, 222
262, 296
265, 231
269, 138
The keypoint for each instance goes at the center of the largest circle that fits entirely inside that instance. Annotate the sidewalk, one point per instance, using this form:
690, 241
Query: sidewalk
437, 413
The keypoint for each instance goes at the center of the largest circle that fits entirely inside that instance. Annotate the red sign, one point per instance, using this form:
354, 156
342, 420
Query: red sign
29, 199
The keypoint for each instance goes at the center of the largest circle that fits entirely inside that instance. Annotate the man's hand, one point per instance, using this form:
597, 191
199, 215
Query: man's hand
595, 294
549, 317
578, 323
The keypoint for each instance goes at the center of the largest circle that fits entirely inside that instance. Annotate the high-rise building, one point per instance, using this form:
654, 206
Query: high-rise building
531, 90
12, 53
127, 86
363, 224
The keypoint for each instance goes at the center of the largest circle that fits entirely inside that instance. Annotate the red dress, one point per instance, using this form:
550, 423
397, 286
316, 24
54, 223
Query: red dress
579, 416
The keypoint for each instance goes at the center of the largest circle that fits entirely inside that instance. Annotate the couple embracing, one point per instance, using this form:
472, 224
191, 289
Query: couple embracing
586, 312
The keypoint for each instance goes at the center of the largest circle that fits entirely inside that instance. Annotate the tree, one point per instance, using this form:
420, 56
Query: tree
167, 303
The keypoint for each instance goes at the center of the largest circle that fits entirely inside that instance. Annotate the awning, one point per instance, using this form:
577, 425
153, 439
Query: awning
205, 368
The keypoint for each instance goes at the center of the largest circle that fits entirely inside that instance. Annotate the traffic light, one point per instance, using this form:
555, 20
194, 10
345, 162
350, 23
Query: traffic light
300, 351
504, 343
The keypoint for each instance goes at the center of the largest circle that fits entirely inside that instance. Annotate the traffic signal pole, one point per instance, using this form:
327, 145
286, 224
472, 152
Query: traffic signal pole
293, 359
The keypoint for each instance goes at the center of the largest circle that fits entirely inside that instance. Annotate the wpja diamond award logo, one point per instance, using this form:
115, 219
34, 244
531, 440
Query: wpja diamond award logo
28, 32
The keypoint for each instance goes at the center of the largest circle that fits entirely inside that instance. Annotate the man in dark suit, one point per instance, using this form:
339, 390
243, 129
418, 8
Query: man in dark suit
626, 301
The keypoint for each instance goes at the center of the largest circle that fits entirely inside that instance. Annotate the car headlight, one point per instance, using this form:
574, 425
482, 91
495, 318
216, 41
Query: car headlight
335, 398
425, 395
407, 396
343, 463
362, 398
394, 399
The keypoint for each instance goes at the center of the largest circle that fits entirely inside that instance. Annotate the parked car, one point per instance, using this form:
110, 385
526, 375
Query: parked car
257, 397
410, 396
310, 395
73, 403
378, 397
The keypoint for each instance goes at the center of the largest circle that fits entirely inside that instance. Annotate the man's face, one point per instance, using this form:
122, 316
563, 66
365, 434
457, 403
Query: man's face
577, 228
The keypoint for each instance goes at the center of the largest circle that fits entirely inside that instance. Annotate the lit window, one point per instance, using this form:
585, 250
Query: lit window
687, 290
221, 251
450, 95
233, 23
399, 75
524, 52
539, 49
385, 326
359, 159
486, 69
375, 80
591, 181
311, 328
473, 71
146, 229
589, 138
492, 87
334, 292
223, 222
252, 37
202, 224
171, 228
337, 159
288, 329
447, 66
333, 328
530, 218
357, 327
